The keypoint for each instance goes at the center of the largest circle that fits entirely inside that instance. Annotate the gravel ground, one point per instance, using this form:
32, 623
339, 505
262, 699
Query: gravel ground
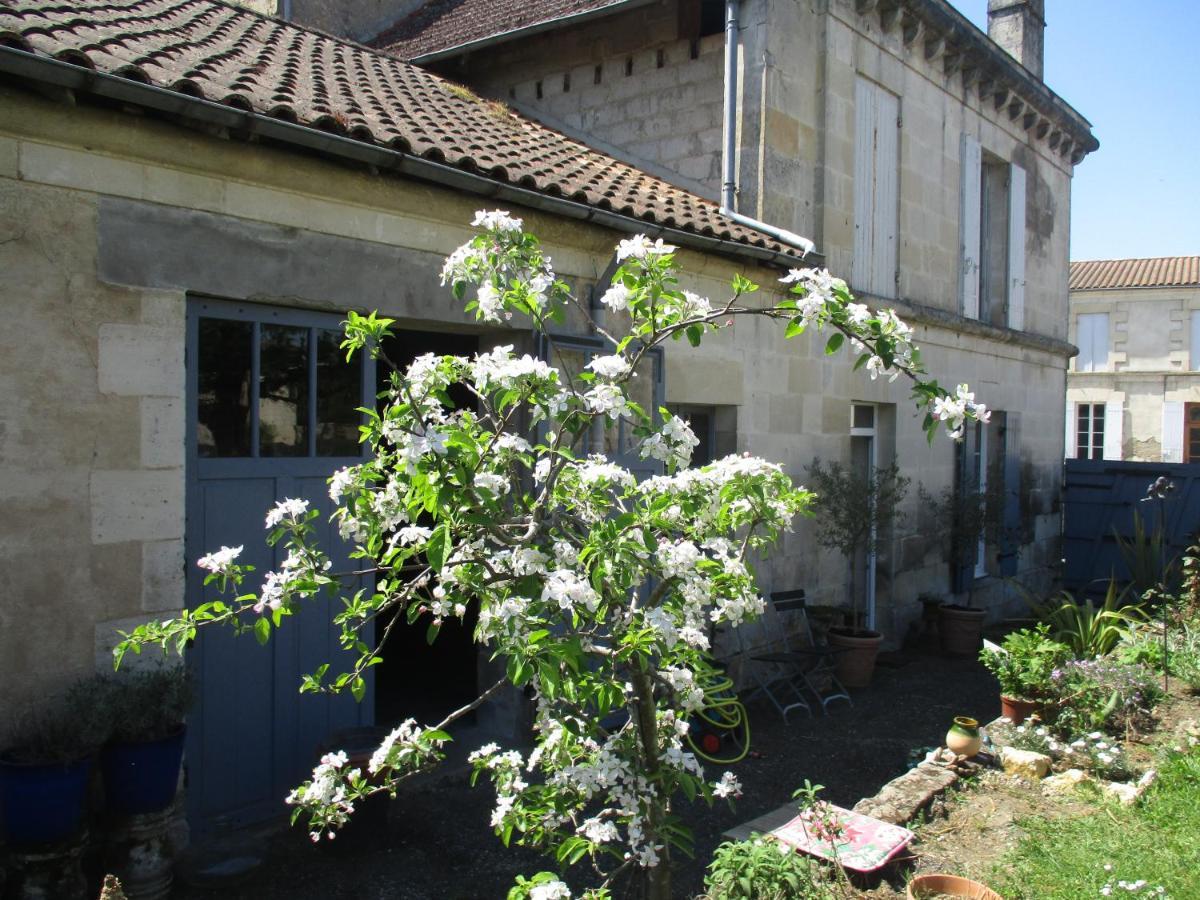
434, 840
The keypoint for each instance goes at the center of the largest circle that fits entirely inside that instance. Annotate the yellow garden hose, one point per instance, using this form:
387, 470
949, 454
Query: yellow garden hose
722, 711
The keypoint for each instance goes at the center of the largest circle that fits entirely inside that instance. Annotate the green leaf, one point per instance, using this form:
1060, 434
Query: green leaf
438, 546
834, 343
358, 688
262, 629
794, 327
694, 334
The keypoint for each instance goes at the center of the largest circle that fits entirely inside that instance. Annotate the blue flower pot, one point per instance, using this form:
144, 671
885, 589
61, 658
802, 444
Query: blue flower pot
141, 777
43, 804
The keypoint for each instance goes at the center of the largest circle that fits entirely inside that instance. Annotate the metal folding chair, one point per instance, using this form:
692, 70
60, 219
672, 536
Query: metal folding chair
789, 669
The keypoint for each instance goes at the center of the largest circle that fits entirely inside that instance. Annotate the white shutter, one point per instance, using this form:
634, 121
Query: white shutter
864, 183
885, 220
1114, 428
1016, 247
1195, 348
1172, 431
1069, 448
972, 162
1083, 340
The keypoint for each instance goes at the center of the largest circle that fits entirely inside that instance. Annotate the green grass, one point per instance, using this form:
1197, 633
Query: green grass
1157, 839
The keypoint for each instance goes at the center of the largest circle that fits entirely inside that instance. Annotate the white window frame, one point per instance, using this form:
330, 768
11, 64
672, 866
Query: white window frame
1089, 443
972, 238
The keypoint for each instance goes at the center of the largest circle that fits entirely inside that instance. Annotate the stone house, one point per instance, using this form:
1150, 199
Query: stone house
194, 194
1133, 392
928, 161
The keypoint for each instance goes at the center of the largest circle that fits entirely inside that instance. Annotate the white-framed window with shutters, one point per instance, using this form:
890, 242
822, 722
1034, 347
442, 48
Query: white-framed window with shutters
876, 189
1096, 428
1091, 336
992, 231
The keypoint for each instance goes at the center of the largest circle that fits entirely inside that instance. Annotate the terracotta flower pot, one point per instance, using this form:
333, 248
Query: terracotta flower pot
855, 659
963, 737
925, 886
1017, 710
961, 629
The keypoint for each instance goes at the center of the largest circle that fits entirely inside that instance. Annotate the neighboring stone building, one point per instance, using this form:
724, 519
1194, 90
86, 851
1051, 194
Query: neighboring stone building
191, 189
1133, 392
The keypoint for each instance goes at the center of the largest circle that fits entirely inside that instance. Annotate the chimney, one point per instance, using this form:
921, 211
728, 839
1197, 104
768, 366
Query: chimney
1019, 26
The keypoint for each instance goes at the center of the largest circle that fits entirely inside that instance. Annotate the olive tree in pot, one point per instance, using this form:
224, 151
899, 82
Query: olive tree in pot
141, 763
45, 767
853, 510
961, 522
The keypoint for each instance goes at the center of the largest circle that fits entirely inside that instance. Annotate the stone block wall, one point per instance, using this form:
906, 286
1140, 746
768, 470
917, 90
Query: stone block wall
628, 81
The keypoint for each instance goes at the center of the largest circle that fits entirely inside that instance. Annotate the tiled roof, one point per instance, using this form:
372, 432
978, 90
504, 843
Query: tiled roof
442, 24
1159, 271
209, 49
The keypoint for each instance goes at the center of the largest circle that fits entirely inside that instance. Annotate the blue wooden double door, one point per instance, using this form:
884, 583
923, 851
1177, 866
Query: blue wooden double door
272, 413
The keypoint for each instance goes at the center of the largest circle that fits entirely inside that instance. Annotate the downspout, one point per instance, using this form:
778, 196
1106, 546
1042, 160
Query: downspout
729, 133
285, 10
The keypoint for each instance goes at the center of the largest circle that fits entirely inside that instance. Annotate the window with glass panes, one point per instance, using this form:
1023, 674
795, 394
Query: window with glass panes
1089, 431
1191, 432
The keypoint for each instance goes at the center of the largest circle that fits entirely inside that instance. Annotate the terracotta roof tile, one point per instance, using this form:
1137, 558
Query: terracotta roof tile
1159, 271
226, 54
442, 24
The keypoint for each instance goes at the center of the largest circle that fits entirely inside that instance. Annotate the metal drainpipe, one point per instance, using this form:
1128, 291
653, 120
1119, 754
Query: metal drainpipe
729, 133
285, 10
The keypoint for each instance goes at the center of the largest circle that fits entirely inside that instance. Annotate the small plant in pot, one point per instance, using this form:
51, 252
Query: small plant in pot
1024, 665
46, 764
853, 512
141, 763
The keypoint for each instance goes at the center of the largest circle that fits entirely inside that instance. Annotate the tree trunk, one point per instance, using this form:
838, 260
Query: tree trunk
657, 880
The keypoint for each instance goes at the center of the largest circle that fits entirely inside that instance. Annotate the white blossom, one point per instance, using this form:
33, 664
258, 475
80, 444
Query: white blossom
290, 509
496, 220
221, 560
610, 366
616, 297
728, 786
639, 247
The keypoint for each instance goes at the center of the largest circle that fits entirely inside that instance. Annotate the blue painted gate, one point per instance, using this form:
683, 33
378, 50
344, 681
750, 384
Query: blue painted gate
271, 405
1100, 497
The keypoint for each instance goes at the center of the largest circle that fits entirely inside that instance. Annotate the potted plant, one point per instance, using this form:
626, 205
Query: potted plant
45, 767
1024, 665
960, 520
853, 511
141, 763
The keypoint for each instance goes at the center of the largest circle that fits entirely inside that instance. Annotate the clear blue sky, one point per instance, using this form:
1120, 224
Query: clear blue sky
1132, 68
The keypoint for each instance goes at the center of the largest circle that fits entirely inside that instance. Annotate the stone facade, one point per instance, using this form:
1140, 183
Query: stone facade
647, 87
1150, 373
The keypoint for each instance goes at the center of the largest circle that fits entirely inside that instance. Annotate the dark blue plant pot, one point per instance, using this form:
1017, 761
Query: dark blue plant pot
142, 777
43, 804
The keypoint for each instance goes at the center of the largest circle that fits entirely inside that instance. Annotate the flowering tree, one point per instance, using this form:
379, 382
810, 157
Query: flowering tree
595, 591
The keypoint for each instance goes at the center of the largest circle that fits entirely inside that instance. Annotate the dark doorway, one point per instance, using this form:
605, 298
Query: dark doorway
417, 679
